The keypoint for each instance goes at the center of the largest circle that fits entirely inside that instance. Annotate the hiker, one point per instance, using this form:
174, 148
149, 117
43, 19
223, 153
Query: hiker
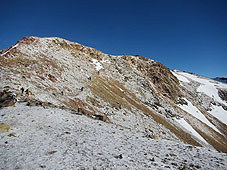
82, 88
62, 93
14, 97
2, 93
22, 91
27, 93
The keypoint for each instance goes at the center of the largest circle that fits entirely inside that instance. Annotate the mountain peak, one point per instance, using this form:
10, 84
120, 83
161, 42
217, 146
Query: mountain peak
133, 92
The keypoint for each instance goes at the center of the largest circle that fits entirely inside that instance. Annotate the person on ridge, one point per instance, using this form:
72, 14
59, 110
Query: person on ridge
22, 91
2, 93
27, 93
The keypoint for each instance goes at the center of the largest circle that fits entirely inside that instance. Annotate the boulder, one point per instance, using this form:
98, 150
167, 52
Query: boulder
7, 99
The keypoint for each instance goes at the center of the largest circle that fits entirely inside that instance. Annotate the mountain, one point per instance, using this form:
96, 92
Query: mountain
131, 92
221, 79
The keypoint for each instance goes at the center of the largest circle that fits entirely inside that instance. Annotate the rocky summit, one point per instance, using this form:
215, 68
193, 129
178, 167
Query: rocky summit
134, 94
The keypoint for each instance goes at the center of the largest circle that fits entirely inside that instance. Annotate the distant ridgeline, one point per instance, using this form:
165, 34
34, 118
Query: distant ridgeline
221, 79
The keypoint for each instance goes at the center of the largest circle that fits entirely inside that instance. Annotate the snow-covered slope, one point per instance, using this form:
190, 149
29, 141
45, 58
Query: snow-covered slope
57, 139
209, 88
207, 100
131, 92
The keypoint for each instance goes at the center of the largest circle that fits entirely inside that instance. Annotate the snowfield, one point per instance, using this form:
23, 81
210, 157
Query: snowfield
187, 126
196, 113
181, 77
219, 113
208, 87
52, 138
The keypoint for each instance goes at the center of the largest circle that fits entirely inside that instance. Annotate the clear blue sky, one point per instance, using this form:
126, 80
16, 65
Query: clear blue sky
189, 35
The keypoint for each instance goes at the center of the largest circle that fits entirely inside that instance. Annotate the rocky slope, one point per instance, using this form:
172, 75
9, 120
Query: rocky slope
52, 138
131, 92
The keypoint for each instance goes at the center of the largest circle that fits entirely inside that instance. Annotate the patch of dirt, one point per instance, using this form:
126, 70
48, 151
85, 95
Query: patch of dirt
80, 107
94, 102
4, 128
219, 144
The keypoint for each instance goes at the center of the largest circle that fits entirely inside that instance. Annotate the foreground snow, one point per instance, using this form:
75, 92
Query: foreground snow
57, 139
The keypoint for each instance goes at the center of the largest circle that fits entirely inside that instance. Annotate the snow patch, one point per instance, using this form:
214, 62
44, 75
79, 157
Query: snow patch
219, 113
105, 61
98, 65
10, 49
211, 91
191, 109
187, 126
180, 77
208, 86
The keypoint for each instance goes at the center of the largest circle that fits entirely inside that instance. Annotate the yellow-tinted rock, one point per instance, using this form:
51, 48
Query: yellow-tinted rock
4, 128
155, 137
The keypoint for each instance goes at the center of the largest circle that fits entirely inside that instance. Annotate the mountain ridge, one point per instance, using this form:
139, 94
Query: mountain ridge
221, 79
131, 91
